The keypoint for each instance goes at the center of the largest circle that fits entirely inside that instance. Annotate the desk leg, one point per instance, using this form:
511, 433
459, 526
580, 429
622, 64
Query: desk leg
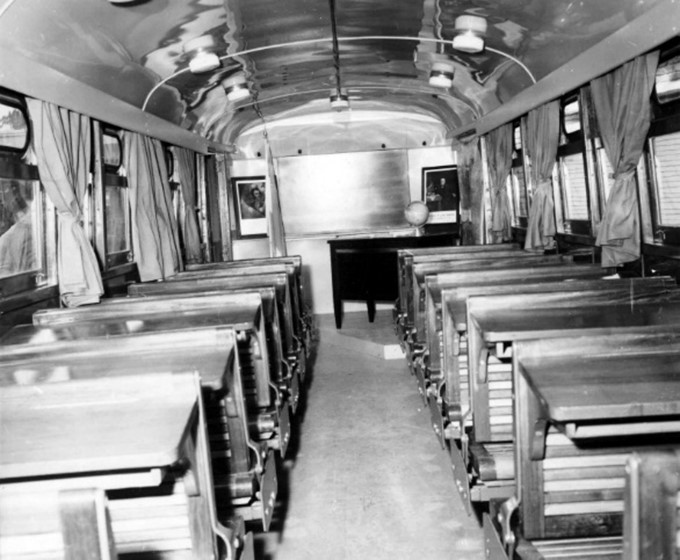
337, 301
337, 308
370, 304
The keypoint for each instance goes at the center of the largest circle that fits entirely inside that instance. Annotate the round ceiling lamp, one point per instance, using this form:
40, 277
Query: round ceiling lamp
470, 31
203, 58
441, 74
236, 87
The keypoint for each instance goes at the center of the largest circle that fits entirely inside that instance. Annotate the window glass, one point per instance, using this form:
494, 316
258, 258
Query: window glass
13, 128
667, 178
519, 192
20, 227
571, 119
517, 138
574, 187
112, 150
117, 220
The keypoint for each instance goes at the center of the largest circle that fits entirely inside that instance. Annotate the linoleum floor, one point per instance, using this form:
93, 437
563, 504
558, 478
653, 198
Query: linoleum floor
368, 479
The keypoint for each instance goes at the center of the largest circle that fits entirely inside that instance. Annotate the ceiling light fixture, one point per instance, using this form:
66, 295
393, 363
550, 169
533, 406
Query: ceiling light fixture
236, 87
203, 58
470, 31
339, 100
441, 75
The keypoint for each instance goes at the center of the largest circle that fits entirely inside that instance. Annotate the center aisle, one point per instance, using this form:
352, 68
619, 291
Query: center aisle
369, 480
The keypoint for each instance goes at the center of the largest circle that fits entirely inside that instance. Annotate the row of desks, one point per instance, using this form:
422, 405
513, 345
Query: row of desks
543, 377
163, 413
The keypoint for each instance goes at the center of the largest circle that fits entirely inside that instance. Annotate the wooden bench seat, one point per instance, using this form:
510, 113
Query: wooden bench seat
67, 524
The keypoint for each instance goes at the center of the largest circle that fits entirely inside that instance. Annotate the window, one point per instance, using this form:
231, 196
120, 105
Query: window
13, 128
517, 185
571, 172
23, 240
113, 235
665, 179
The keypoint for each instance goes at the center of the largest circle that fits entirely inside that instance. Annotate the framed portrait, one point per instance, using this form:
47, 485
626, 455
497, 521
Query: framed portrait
440, 193
249, 206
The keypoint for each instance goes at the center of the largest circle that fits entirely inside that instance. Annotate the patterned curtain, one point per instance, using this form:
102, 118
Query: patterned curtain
499, 155
622, 106
155, 240
543, 133
62, 143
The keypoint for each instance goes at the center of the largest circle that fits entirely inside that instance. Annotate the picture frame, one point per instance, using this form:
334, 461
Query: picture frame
441, 194
249, 206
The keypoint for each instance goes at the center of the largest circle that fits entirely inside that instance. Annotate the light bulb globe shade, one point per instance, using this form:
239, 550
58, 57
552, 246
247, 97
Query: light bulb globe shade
204, 61
470, 31
235, 87
441, 75
339, 101
468, 42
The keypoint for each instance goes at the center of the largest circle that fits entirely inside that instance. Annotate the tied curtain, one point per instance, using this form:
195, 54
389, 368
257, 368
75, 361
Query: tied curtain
154, 231
623, 110
62, 143
470, 173
277, 233
499, 156
186, 166
543, 128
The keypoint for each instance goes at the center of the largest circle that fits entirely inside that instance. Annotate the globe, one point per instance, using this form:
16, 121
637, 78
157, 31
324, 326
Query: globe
417, 213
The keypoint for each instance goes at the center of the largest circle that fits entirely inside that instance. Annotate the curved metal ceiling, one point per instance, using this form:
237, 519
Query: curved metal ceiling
139, 53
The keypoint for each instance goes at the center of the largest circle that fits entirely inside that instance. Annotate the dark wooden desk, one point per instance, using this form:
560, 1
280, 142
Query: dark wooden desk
365, 269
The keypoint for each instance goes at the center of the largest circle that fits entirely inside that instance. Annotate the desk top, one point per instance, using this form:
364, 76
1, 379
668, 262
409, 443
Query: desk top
456, 287
41, 355
241, 304
279, 281
95, 425
621, 376
480, 263
587, 311
393, 242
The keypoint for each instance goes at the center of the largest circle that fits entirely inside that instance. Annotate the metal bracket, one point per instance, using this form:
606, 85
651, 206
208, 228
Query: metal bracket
460, 476
268, 491
504, 516
538, 440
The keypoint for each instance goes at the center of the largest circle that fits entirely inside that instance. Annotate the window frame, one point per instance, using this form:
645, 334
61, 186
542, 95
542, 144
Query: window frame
13, 166
572, 143
106, 176
20, 104
518, 161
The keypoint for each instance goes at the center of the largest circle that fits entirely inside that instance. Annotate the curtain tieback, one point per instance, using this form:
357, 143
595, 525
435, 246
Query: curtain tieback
625, 175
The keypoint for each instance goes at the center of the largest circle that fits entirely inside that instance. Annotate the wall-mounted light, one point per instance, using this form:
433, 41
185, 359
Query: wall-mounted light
203, 58
339, 100
441, 74
470, 31
236, 87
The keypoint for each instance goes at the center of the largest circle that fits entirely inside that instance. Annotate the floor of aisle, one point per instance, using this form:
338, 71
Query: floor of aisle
368, 479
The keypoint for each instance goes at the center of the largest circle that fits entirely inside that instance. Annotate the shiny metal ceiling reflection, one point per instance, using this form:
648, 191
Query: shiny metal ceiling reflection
137, 52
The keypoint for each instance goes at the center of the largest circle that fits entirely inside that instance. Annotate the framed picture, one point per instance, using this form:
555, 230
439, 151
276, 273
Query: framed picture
440, 193
249, 206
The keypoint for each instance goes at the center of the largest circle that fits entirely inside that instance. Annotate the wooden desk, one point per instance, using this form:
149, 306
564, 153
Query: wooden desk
406, 258
624, 390
500, 321
365, 269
